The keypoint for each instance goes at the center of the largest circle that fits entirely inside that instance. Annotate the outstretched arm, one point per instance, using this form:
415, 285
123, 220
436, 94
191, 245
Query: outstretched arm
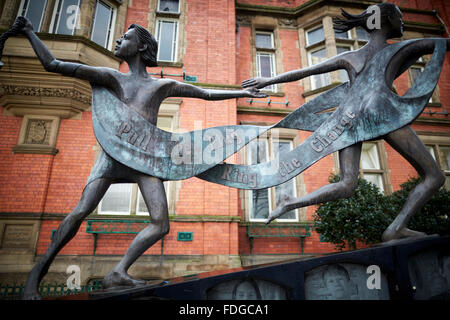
98, 75
181, 89
329, 65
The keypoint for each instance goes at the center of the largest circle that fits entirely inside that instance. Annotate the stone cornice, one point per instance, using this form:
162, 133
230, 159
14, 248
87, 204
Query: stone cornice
296, 12
45, 92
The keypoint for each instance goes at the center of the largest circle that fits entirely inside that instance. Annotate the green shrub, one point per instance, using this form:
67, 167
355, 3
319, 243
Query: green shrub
365, 215
433, 217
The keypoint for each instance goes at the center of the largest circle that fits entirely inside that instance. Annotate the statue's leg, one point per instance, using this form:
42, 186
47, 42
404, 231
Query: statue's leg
349, 170
154, 195
407, 143
92, 194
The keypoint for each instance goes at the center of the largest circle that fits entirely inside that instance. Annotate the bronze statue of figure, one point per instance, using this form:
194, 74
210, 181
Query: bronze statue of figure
369, 94
144, 95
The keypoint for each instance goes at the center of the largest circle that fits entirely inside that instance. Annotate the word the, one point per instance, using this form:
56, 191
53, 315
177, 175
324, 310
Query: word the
321, 142
286, 167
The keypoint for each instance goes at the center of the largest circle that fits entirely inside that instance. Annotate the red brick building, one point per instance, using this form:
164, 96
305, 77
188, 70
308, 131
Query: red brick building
48, 145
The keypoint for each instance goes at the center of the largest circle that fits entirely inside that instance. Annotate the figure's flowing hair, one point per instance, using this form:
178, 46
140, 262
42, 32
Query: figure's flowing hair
145, 37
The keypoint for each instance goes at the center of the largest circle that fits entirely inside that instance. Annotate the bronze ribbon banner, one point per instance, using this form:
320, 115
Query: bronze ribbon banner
365, 110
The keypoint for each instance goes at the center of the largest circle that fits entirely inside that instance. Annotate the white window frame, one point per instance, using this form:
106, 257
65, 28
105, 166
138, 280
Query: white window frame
135, 191
21, 13
55, 9
118, 213
311, 30
175, 44
158, 4
322, 75
112, 23
348, 33
271, 192
273, 87
291, 145
250, 192
374, 171
272, 42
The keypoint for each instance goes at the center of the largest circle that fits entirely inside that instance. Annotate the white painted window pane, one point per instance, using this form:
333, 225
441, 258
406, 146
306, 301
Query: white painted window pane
369, 156
319, 80
117, 199
102, 24
34, 11
168, 6
376, 179
264, 40
167, 33
315, 36
266, 67
66, 17
287, 188
259, 199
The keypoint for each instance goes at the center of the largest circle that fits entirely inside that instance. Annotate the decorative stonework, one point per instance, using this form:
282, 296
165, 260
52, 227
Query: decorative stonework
45, 92
38, 131
286, 22
38, 135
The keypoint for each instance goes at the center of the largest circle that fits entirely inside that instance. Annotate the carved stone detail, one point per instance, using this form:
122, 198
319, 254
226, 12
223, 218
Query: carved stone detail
45, 92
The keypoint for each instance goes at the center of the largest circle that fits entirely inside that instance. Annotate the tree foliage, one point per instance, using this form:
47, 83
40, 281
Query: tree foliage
364, 216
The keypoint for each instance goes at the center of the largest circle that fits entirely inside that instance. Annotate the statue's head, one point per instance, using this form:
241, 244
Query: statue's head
389, 15
137, 40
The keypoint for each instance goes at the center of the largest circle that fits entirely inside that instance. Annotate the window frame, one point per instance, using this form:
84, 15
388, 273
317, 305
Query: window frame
270, 138
250, 192
167, 12
118, 213
311, 30
312, 77
53, 28
175, 41
272, 40
273, 87
381, 171
21, 9
112, 23
169, 186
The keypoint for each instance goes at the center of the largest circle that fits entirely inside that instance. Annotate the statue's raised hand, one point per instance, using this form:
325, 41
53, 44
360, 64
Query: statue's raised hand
22, 25
255, 93
256, 83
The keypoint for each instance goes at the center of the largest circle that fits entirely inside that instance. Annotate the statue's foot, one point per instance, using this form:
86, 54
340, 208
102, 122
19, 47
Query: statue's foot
391, 235
120, 279
280, 210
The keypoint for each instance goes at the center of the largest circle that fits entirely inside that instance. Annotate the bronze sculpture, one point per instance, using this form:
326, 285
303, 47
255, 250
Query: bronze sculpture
142, 94
376, 100
135, 150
